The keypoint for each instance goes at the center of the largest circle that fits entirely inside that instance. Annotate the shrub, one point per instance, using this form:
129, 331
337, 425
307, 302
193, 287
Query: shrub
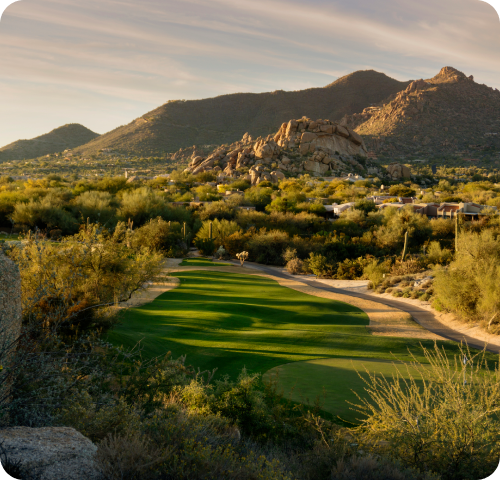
389, 290
14, 468
129, 457
397, 293
143, 204
470, 287
375, 272
352, 269
375, 468
218, 211
320, 266
268, 247
159, 236
406, 267
437, 255
205, 245
295, 266
415, 294
221, 229
436, 420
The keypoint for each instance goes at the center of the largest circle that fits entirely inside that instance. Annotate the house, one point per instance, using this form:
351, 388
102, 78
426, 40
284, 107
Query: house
338, 209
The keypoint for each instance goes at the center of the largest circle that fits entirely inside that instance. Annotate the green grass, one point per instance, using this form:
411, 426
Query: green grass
228, 321
3, 236
202, 262
333, 381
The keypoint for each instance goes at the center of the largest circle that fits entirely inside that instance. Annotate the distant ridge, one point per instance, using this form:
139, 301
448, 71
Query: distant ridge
224, 119
68, 136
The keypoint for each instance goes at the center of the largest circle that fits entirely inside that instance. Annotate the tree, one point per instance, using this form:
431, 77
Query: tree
401, 191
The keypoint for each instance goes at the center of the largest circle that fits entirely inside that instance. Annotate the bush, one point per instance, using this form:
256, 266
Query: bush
268, 247
437, 255
159, 236
470, 287
221, 229
205, 245
389, 290
320, 266
435, 420
408, 267
375, 271
295, 266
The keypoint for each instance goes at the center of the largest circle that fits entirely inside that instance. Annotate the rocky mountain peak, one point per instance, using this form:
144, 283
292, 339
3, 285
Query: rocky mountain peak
449, 75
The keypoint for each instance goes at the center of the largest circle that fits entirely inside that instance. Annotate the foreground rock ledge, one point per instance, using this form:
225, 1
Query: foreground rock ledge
53, 453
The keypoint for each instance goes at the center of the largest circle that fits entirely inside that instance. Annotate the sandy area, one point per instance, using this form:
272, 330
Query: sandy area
447, 319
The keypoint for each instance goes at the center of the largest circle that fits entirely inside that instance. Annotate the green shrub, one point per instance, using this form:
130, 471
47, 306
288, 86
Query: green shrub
205, 245
434, 420
375, 271
221, 229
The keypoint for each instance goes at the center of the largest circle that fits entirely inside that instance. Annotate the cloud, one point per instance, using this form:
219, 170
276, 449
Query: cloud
127, 56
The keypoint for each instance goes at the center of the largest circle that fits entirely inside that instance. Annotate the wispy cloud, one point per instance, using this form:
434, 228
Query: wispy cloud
109, 61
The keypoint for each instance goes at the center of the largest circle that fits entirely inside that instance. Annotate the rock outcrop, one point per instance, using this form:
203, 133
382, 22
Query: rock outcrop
308, 136
51, 453
10, 319
315, 146
398, 172
449, 113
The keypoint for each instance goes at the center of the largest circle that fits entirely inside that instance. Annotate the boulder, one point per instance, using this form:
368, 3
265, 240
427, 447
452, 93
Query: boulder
308, 137
398, 171
355, 138
196, 160
266, 149
51, 453
291, 127
10, 317
277, 176
286, 161
327, 129
316, 167
342, 131
304, 148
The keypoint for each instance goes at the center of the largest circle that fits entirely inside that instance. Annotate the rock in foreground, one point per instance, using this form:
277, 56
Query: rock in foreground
51, 453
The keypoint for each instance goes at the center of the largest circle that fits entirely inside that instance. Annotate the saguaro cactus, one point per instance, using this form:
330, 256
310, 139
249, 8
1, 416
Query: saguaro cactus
405, 248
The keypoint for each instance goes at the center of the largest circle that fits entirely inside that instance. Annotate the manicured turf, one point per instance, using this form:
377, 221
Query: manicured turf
228, 321
202, 262
333, 381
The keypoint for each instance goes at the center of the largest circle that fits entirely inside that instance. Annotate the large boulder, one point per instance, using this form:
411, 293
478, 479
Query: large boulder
51, 453
397, 171
316, 167
266, 149
10, 318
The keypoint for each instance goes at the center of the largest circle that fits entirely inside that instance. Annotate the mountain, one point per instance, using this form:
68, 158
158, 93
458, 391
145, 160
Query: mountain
448, 114
224, 119
68, 136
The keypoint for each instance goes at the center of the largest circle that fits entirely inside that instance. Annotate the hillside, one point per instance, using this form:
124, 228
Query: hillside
68, 136
449, 114
224, 119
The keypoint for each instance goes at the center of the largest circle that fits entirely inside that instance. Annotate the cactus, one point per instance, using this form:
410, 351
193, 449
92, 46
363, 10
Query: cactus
457, 231
405, 249
210, 231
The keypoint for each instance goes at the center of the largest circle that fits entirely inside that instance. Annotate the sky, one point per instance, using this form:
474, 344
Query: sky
103, 63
